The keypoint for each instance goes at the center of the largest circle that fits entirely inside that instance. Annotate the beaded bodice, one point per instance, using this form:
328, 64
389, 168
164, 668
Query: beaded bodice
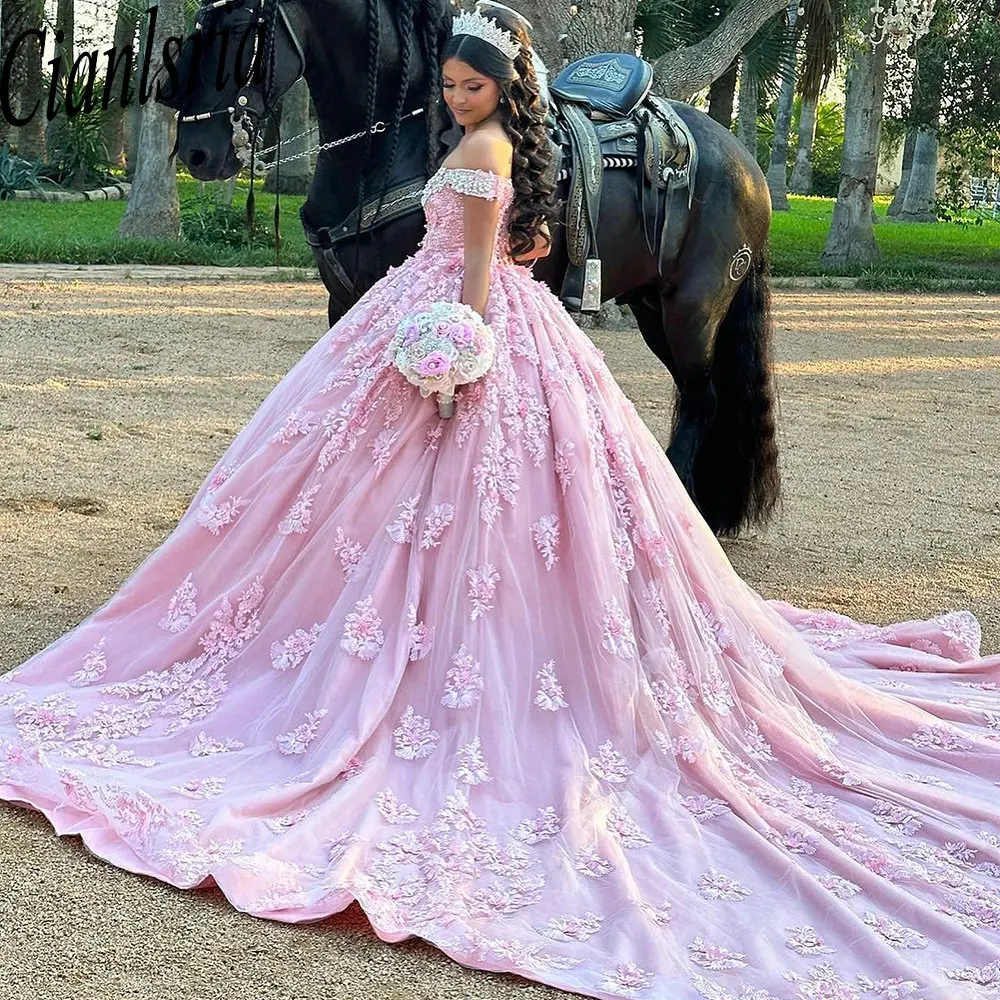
444, 209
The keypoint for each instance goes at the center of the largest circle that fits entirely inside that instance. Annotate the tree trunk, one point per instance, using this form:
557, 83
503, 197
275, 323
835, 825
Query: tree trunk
852, 233
921, 191
31, 137
608, 25
722, 96
746, 115
64, 51
133, 124
777, 170
153, 209
563, 30
802, 172
113, 123
599, 26
685, 72
66, 22
925, 112
295, 175
10, 27
896, 205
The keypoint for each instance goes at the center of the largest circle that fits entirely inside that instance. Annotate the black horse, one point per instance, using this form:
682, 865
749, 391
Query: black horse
373, 70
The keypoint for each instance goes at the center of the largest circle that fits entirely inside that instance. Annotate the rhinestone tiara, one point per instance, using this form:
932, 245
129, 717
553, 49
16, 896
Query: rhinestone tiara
473, 23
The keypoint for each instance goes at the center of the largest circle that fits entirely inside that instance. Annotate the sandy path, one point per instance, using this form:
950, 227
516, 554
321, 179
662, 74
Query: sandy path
116, 398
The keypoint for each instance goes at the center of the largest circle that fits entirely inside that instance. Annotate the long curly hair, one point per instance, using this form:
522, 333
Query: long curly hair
523, 118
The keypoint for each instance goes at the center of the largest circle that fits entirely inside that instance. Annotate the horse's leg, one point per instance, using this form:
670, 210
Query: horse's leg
687, 356
719, 335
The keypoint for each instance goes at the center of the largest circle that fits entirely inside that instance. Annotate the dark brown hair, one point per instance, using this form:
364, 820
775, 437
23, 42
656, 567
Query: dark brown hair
523, 118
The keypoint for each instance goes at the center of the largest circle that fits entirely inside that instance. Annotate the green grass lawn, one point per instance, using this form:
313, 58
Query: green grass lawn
932, 250
85, 233
912, 255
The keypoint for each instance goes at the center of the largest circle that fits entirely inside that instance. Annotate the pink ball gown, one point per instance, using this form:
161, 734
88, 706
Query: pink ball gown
494, 678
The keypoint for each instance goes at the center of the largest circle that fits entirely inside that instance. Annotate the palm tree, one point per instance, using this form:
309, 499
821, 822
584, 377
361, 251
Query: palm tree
802, 172
763, 64
562, 31
920, 195
823, 32
113, 125
777, 170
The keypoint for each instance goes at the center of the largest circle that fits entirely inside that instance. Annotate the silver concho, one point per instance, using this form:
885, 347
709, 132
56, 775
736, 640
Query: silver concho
740, 263
242, 139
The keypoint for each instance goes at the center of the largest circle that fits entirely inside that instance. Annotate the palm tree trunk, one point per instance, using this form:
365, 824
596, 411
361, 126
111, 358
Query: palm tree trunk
66, 23
925, 109
722, 96
777, 170
134, 123
896, 205
153, 209
852, 234
113, 124
921, 191
802, 172
746, 125
17, 16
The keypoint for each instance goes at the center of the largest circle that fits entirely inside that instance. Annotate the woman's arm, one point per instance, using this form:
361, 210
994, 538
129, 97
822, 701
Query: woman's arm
481, 218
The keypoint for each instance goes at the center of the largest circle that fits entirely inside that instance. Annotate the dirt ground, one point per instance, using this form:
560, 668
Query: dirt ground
117, 397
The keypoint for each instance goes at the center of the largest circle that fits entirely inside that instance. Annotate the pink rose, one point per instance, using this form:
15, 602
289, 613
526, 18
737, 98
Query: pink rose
436, 363
441, 327
460, 335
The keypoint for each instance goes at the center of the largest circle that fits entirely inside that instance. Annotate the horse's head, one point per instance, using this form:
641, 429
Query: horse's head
242, 58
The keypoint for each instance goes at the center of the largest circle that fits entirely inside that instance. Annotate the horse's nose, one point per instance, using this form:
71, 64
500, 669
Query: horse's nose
197, 157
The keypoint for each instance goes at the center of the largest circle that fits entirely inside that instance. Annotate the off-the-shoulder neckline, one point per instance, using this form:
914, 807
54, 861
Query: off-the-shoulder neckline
475, 170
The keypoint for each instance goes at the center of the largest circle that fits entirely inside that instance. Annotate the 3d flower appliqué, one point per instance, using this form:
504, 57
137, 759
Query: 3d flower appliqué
414, 737
549, 695
289, 653
182, 608
463, 682
297, 741
363, 634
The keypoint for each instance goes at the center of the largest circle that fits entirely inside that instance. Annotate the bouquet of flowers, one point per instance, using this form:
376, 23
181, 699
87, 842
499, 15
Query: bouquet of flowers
440, 346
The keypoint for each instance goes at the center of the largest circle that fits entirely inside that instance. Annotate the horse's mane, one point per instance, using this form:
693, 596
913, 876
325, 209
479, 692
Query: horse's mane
427, 20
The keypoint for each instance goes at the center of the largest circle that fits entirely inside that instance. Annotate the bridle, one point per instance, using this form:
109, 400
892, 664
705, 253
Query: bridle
253, 106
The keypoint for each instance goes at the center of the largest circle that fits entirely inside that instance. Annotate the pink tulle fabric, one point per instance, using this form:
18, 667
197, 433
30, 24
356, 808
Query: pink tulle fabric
495, 679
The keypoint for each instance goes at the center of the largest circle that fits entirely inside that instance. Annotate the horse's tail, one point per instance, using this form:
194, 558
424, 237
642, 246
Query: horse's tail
736, 469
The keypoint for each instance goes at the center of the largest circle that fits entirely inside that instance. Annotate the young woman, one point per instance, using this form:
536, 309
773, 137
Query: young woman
494, 678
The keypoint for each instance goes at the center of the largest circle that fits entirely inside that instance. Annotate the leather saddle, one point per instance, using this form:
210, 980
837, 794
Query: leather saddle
603, 115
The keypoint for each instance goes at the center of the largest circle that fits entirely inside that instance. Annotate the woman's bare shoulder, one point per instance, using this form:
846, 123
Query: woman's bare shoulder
485, 149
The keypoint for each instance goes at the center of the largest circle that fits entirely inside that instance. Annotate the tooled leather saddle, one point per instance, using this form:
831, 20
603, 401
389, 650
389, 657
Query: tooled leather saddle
604, 116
